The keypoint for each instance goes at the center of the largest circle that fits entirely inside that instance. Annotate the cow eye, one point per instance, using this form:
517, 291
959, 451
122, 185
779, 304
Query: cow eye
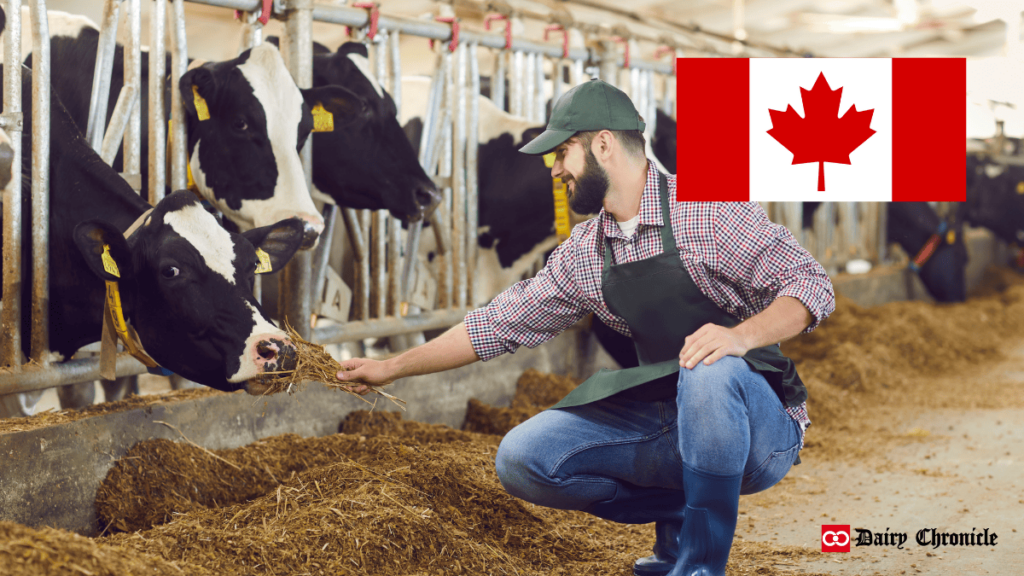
170, 272
240, 125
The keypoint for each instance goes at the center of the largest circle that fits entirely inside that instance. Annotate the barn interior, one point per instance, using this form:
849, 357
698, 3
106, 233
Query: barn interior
914, 394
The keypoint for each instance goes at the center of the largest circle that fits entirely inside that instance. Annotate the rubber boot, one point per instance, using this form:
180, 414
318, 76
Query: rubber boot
709, 523
666, 550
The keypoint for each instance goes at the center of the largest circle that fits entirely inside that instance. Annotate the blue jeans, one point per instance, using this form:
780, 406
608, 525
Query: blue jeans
622, 459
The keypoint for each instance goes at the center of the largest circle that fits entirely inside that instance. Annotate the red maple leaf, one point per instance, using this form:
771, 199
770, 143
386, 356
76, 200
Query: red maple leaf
821, 135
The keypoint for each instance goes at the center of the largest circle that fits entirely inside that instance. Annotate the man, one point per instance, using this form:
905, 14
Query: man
656, 443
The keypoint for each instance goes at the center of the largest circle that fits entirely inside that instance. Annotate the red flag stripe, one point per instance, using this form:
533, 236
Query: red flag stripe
928, 129
713, 104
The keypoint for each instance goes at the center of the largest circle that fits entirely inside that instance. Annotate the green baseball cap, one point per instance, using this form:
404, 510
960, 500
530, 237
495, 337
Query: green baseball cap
594, 105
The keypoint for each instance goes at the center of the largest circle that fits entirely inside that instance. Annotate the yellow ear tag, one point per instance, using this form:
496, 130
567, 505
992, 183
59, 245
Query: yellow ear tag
950, 237
202, 111
1020, 187
549, 159
108, 262
263, 266
323, 121
562, 227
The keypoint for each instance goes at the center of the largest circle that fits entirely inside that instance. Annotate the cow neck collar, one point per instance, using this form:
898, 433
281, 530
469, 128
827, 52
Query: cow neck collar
115, 328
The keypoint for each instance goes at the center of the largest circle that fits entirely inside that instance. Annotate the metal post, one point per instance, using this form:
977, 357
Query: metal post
377, 261
157, 122
395, 266
126, 102
133, 76
445, 170
609, 63
516, 85
252, 31
396, 72
558, 85
179, 63
636, 91
459, 179
322, 255
652, 102
541, 101
883, 235
472, 175
380, 58
40, 345
10, 312
101, 75
293, 300
359, 252
576, 77
530, 92
365, 271
498, 81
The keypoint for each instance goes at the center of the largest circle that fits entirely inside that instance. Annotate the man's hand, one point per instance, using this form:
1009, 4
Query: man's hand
710, 343
363, 373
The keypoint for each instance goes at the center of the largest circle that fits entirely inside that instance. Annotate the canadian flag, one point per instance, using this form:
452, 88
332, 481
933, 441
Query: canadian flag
821, 129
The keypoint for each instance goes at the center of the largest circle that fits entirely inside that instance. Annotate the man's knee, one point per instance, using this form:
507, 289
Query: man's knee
516, 461
705, 386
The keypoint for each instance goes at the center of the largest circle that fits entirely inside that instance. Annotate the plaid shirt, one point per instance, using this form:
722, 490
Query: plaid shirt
735, 255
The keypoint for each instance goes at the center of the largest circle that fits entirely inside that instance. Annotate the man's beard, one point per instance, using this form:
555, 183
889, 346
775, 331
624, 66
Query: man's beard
591, 187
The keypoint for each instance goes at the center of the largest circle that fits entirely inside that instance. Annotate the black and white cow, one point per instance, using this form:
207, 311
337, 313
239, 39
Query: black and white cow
515, 202
376, 167
244, 158
995, 200
185, 282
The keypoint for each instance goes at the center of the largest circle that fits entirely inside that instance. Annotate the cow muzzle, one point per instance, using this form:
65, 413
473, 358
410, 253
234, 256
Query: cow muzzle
312, 226
271, 353
428, 198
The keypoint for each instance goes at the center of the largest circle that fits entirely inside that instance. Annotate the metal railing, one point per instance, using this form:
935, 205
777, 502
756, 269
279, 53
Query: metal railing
384, 272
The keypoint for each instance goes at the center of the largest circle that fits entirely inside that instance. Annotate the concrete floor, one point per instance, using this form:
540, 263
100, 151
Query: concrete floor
965, 471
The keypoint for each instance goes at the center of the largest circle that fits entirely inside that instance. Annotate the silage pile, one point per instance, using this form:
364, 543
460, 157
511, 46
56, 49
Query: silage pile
399, 498
159, 479
30, 552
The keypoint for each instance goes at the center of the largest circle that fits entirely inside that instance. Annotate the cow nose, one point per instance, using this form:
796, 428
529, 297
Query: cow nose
428, 198
312, 226
310, 235
275, 354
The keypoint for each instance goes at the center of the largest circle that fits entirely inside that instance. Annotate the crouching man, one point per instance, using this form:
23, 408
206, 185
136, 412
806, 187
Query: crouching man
706, 291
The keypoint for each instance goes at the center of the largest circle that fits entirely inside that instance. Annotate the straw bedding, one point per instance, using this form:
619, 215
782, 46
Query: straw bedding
389, 497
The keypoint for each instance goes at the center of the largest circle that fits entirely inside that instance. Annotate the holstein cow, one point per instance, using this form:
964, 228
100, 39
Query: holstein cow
368, 165
515, 202
995, 200
244, 156
185, 283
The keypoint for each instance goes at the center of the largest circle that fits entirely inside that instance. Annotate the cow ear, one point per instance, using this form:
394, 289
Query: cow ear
277, 241
343, 106
198, 87
530, 133
105, 250
273, 40
354, 48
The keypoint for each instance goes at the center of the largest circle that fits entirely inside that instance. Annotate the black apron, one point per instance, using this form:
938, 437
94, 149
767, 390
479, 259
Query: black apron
662, 305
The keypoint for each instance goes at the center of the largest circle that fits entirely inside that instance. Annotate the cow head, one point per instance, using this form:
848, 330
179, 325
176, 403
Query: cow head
247, 121
664, 141
369, 164
186, 287
995, 198
911, 224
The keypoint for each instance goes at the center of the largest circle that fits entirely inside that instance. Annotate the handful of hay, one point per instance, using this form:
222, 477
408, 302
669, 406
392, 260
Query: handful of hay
314, 364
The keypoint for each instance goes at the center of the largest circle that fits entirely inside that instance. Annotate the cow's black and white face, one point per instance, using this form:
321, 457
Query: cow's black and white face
370, 163
244, 156
186, 286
